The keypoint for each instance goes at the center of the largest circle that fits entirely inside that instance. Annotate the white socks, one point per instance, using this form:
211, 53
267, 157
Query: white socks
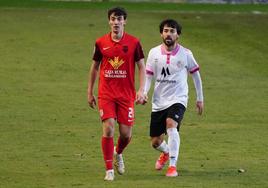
163, 147
173, 145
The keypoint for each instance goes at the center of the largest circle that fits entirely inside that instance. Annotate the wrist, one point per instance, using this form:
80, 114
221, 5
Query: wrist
141, 90
89, 92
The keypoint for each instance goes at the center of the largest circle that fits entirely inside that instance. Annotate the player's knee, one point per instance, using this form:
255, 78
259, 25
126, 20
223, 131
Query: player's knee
171, 123
108, 131
125, 138
108, 127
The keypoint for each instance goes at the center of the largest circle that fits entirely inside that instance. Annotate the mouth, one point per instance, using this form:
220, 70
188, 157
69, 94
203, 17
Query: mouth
168, 40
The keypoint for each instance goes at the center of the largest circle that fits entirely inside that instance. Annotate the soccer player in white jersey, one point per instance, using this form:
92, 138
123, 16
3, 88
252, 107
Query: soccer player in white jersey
169, 64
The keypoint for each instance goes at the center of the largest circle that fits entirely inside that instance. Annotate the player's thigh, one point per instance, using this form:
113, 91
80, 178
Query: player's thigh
175, 113
158, 123
107, 109
125, 112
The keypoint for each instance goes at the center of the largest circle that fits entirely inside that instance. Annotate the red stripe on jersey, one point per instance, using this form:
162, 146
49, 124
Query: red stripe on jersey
194, 70
168, 58
149, 72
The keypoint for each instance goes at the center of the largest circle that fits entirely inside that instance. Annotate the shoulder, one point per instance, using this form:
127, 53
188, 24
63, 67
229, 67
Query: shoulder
186, 51
131, 38
102, 38
155, 50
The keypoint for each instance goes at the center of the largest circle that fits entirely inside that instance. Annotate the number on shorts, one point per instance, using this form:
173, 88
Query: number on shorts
130, 113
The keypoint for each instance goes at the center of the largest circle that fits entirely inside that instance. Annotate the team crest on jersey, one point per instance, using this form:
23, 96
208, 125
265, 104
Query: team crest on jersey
116, 62
125, 49
179, 64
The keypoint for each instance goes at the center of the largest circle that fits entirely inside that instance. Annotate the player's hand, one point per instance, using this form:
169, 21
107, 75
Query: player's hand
91, 101
199, 107
145, 100
140, 98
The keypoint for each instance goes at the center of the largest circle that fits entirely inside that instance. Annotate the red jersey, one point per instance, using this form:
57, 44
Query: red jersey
117, 68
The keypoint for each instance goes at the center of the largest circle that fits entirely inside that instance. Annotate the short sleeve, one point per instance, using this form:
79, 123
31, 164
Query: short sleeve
149, 64
192, 65
138, 52
97, 56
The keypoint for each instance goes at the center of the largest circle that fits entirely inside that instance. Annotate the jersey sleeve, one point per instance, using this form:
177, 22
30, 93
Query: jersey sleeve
138, 52
150, 65
97, 56
149, 72
192, 65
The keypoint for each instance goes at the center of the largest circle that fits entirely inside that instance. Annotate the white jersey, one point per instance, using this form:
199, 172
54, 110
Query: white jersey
170, 71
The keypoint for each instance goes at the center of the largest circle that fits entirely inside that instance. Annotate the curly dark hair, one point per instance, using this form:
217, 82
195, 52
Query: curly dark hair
170, 23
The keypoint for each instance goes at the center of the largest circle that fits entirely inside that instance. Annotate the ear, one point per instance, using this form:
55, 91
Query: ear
177, 37
125, 21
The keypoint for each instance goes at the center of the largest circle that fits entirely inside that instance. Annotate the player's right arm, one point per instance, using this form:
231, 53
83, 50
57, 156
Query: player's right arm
91, 82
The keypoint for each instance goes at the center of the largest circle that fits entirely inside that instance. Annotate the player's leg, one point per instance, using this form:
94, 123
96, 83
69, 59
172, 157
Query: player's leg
125, 133
107, 113
160, 144
173, 145
157, 130
107, 148
124, 138
125, 114
175, 115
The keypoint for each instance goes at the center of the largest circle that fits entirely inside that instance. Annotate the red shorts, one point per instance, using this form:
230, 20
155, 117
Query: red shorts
122, 111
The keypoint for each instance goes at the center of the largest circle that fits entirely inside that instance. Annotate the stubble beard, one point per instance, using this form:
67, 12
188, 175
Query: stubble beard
169, 42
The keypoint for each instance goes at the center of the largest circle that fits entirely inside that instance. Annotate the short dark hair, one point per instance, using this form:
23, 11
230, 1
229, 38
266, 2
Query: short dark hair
170, 23
118, 11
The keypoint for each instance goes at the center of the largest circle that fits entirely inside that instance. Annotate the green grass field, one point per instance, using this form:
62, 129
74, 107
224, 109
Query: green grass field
50, 138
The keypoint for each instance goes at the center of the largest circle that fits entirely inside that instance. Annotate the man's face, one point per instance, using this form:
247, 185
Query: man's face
169, 35
117, 23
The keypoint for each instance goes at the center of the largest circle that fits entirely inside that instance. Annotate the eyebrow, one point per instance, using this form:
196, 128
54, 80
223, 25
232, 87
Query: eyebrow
117, 16
170, 29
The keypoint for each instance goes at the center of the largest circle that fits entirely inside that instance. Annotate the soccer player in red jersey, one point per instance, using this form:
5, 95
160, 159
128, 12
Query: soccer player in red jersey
116, 53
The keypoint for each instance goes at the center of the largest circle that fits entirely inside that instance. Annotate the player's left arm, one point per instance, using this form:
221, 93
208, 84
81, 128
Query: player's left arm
140, 92
193, 69
199, 92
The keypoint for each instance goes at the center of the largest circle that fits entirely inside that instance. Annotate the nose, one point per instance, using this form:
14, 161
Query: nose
116, 21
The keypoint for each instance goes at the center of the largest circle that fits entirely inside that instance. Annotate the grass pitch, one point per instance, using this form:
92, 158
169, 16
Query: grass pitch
50, 138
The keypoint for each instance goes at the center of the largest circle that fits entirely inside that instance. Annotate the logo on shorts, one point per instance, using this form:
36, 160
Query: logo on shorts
177, 116
101, 112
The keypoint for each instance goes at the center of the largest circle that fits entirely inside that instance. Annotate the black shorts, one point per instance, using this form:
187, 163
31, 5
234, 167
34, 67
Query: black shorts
158, 119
